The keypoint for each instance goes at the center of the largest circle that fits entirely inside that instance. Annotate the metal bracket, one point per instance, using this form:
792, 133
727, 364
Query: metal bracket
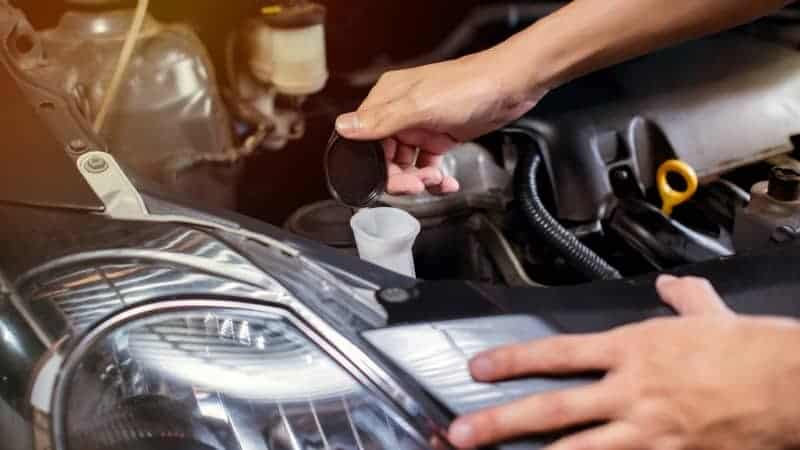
123, 202
109, 182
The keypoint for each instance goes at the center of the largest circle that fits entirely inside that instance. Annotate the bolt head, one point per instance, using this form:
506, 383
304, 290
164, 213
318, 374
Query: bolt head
78, 145
621, 175
96, 164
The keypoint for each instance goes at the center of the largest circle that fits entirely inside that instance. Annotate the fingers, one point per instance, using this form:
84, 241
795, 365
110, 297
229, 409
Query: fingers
390, 148
560, 355
412, 171
406, 149
406, 156
536, 414
378, 122
403, 183
449, 185
691, 296
615, 436
415, 181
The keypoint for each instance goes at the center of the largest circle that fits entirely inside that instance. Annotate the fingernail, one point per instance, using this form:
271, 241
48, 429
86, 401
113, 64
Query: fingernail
665, 279
461, 434
482, 367
347, 123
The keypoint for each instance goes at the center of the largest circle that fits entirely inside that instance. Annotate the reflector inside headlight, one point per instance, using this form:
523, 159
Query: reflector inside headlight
210, 378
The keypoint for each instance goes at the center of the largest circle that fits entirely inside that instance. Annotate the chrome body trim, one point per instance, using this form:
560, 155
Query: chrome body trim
74, 357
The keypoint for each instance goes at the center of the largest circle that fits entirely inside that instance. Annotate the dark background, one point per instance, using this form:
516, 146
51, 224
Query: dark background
358, 32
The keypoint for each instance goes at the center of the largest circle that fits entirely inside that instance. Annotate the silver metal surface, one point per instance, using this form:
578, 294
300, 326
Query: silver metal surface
109, 182
484, 185
169, 109
437, 354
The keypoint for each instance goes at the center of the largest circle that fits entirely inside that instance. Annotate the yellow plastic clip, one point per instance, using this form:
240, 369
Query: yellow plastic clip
271, 10
670, 196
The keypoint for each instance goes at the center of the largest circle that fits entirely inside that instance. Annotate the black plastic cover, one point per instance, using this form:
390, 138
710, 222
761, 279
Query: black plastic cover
716, 104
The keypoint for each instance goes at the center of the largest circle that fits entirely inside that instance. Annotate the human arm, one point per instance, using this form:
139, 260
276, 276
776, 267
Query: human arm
432, 108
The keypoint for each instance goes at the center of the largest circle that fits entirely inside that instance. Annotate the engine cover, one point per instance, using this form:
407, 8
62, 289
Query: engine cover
717, 104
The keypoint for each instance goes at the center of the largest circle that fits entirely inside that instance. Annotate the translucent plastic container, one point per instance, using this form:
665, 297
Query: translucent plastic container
385, 237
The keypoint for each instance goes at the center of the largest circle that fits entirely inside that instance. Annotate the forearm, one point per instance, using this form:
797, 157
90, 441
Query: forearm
588, 35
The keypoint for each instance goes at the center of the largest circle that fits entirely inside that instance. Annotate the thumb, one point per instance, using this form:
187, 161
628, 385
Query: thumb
691, 296
378, 122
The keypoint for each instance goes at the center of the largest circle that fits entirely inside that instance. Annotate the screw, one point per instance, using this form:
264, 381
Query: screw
77, 146
96, 164
621, 175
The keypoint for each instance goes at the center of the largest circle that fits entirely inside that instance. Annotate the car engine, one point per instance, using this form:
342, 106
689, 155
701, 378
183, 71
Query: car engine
568, 194
140, 311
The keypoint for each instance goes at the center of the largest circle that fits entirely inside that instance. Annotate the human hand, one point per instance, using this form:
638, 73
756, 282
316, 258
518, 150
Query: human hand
710, 380
432, 108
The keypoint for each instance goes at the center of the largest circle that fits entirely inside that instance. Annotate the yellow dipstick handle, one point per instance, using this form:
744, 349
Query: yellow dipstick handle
670, 196
271, 10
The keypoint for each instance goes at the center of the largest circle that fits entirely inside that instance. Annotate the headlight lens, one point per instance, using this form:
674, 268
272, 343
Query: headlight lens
210, 378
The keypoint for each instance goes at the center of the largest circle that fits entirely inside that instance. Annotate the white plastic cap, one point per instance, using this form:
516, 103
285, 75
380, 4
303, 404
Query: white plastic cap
385, 237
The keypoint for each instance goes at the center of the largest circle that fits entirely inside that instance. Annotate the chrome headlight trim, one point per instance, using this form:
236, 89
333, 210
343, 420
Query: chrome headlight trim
151, 310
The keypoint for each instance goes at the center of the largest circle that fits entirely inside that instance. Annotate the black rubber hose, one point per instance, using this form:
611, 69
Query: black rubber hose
579, 256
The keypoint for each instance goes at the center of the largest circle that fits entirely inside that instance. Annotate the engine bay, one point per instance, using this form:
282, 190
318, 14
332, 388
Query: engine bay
232, 116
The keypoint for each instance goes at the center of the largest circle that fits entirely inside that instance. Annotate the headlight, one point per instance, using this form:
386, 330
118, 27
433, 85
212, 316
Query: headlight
214, 375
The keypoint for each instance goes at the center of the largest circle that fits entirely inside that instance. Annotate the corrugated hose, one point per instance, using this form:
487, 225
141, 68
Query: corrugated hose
577, 255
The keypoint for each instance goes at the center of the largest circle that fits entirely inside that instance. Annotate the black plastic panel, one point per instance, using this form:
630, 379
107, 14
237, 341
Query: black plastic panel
717, 104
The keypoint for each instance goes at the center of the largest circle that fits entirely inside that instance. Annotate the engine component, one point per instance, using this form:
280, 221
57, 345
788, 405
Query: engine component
453, 239
774, 204
169, 109
327, 222
547, 228
279, 55
670, 197
664, 241
297, 41
733, 101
